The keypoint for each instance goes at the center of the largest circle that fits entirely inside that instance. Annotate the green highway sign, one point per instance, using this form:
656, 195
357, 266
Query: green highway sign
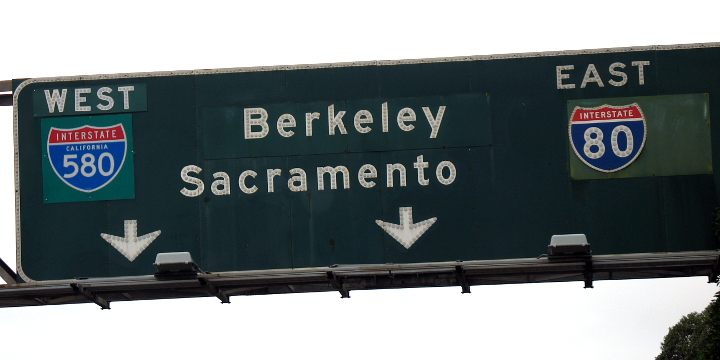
418, 161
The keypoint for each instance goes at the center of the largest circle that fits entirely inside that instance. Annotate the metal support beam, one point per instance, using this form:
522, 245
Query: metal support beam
7, 274
337, 284
346, 278
214, 291
714, 276
41, 301
462, 280
6, 87
99, 301
588, 273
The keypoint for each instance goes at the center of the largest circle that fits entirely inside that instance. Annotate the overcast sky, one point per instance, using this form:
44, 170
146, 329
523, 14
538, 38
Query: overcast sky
616, 320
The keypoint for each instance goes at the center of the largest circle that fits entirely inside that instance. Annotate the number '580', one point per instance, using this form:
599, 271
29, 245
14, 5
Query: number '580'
88, 165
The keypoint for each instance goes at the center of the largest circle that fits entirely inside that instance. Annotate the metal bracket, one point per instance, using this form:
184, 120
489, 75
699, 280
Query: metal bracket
588, 273
7, 274
461, 279
41, 301
6, 99
338, 285
714, 276
99, 301
214, 291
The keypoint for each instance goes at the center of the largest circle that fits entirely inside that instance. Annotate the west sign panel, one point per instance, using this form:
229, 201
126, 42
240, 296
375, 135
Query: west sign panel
368, 163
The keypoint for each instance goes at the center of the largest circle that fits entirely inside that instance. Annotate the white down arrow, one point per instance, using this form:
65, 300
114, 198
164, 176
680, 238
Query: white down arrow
406, 233
131, 245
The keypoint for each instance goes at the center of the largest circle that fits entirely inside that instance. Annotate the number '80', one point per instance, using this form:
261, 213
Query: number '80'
595, 149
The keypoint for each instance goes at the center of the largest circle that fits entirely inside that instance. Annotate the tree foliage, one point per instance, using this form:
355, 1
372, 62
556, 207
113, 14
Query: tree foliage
695, 337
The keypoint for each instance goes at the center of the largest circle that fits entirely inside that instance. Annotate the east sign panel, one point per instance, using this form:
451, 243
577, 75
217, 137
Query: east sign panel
368, 163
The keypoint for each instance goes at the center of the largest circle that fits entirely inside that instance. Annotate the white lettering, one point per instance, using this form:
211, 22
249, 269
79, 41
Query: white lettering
335, 121
363, 117
367, 175
641, 70
333, 177
298, 176
421, 165
241, 182
617, 73
560, 76
406, 115
309, 117
385, 117
285, 121
57, 99
185, 176
434, 121
221, 185
126, 95
271, 174
80, 99
439, 172
591, 75
390, 168
101, 94
621, 74
251, 119
367, 171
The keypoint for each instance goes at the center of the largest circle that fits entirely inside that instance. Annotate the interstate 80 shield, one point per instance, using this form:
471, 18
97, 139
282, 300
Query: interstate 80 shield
87, 158
608, 138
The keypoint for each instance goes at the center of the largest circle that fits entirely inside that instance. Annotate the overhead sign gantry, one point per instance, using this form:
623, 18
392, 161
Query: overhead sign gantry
388, 162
